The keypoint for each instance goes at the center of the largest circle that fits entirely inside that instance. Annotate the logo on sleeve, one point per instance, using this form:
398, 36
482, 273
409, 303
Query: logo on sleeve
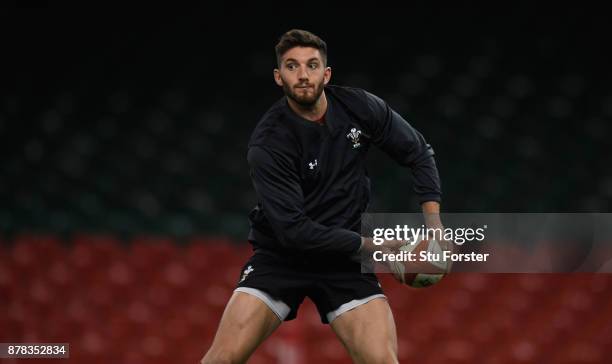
353, 136
246, 273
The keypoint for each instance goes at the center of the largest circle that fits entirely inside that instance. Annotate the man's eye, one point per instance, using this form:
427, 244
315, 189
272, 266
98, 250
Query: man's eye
314, 66
291, 67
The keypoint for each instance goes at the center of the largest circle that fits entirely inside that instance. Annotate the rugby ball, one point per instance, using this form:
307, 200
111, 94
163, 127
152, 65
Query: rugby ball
426, 267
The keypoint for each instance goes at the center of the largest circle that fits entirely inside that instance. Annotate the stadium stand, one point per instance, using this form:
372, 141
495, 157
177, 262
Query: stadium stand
124, 186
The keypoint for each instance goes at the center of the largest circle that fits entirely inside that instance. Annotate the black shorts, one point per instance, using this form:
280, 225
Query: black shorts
333, 290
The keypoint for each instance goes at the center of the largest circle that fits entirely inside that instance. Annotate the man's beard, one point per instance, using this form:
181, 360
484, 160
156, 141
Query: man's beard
305, 100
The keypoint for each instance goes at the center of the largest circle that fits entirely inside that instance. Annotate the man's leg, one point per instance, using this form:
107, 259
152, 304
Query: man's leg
368, 333
245, 323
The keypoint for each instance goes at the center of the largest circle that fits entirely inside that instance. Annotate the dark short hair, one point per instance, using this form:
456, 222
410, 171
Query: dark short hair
299, 38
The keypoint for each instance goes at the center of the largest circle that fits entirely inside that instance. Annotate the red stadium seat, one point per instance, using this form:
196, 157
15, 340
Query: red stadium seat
155, 302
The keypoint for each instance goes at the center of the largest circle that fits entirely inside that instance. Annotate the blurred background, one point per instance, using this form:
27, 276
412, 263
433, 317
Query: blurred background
124, 187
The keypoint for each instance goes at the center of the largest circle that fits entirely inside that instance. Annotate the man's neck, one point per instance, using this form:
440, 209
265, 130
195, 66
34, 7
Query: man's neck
312, 113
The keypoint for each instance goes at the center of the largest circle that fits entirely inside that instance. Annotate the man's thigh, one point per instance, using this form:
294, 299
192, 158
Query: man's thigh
245, 323
368, 332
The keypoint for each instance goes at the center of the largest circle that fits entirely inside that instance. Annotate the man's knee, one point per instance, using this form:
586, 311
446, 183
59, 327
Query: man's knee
381, 356
219, 357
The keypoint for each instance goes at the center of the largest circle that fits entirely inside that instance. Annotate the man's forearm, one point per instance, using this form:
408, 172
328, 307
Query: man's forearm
431, 212
431, 207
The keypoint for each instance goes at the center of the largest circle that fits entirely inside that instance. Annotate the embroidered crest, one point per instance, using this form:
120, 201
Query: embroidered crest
353, 136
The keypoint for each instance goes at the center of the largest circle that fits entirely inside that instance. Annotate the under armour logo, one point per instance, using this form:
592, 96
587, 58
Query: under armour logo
353, 136
246, 273
311, 165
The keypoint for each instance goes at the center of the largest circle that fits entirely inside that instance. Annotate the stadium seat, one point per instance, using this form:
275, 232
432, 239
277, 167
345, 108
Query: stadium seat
107, 297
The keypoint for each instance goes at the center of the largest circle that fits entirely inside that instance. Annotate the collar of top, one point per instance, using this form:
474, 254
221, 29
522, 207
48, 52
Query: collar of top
328, 117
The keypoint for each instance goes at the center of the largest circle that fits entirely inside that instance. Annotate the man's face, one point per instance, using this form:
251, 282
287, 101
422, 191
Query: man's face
302, 75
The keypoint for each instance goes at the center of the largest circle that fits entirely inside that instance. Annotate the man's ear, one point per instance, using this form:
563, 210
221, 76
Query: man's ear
277, 77
327, 75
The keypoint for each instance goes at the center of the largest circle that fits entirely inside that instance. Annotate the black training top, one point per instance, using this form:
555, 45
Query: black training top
311, 179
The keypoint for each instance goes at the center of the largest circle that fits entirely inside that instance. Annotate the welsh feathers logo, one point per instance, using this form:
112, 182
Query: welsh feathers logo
353, 136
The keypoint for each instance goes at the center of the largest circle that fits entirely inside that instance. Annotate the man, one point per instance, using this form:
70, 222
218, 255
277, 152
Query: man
307, 160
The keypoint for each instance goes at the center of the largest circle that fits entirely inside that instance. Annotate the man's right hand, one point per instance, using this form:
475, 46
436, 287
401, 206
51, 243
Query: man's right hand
388, 246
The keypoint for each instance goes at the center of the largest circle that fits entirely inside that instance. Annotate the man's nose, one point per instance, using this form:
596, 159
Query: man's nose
302, 73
